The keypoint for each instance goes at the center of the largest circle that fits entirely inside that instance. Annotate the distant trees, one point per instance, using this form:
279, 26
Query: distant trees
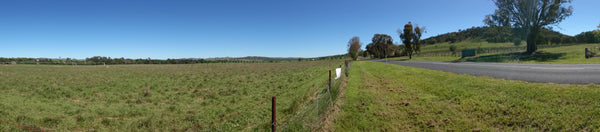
364, 53
393, 50
491, 34
381, 45
452, 37
587, 37
354, 47
400, 51
107, 60
100, 60
597, 33
530, 16
411, 39
498, 34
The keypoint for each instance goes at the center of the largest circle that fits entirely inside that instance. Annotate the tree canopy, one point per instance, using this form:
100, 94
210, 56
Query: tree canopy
597, 33
530, 16
380, 46
354, 47
411, 38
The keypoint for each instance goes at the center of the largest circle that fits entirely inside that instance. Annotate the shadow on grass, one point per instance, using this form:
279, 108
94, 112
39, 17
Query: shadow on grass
517, 56
401, 60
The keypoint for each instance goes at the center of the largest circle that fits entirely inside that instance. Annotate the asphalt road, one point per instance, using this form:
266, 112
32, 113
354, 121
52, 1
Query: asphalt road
548, 73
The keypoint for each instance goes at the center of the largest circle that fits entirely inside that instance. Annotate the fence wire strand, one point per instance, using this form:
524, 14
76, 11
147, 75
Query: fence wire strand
235, 114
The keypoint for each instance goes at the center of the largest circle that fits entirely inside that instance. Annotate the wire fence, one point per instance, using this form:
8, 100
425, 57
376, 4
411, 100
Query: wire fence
312, 115
304, 114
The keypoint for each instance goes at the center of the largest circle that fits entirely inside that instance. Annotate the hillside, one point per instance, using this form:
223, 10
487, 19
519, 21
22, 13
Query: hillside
500, 35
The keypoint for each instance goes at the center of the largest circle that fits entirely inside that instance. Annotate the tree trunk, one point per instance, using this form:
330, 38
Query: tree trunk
531, 41
410, 56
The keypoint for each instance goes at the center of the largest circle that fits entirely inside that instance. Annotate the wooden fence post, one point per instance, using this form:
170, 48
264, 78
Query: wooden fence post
273, 117
329, 88
586, 53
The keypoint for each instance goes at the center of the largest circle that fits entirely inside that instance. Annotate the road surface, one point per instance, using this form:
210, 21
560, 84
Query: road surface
547, 73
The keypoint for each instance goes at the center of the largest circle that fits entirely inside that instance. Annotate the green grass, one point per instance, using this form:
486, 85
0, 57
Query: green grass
573, 54
383, 97
154, 97
468, 44
425, 58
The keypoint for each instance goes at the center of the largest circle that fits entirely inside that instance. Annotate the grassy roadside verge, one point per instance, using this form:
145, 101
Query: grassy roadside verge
383, 97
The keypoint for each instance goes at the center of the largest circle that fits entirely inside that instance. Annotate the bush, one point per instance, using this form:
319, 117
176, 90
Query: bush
399, 53
453, 48
432, 41
517, 41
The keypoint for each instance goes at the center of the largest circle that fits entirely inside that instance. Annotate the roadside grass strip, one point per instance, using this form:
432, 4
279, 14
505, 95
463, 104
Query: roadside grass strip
382, 97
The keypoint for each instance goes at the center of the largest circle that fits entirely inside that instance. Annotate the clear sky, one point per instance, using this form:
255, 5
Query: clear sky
231, 28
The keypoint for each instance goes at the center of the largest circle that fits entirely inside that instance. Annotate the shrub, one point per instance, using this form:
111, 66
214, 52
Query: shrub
453, 48
516, 41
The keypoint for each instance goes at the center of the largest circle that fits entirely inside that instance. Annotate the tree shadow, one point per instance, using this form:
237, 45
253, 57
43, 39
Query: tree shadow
518, 56
401, 60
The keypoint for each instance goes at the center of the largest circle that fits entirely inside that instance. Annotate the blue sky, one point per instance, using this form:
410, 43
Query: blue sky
231, 28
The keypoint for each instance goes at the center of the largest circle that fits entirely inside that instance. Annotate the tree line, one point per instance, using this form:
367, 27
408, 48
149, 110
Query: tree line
512, 21
100, 60
382, 45
103, 60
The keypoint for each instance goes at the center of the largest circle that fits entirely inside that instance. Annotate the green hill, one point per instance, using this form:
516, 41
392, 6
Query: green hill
499, 35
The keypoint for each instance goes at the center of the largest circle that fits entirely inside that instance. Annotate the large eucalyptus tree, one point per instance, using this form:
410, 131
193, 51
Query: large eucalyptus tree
530, 16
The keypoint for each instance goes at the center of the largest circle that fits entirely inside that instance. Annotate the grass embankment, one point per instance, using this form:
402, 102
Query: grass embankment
425, 58
467, 44
383, 97
155, 97
574, 54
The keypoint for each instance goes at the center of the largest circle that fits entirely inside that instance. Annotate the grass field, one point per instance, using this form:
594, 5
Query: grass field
573, 54
155, 97
383, 97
